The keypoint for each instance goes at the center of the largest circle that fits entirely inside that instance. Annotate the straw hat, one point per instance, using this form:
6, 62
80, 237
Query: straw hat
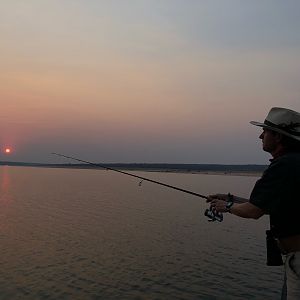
282, 120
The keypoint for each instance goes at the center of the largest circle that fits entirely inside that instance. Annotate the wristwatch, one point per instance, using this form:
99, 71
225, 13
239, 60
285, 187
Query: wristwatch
229, 202
228, 206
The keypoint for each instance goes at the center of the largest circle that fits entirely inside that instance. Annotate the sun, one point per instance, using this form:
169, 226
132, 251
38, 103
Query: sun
7, 150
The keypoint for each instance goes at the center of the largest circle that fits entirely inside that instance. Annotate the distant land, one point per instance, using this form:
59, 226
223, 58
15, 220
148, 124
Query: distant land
159, 167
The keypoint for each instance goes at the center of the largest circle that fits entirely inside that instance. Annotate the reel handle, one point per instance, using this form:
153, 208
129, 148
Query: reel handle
212, 215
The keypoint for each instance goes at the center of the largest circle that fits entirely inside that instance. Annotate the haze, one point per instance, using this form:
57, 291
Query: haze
145, 81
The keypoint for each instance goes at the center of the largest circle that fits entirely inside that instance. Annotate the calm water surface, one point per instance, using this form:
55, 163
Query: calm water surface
87, 234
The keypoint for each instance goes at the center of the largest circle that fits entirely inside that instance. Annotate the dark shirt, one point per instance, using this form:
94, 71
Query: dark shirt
277, 193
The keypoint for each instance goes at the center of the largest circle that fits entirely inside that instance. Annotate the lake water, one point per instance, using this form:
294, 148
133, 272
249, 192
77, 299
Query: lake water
88, 234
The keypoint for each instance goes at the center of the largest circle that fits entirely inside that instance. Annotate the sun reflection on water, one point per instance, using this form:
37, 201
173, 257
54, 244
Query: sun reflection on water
5, 185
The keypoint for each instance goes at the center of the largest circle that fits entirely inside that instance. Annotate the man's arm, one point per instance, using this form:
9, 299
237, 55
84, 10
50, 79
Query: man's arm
237, 199
246, 210
241, 207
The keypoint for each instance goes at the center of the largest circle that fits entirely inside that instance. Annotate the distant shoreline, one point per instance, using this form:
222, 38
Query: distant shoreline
206, 169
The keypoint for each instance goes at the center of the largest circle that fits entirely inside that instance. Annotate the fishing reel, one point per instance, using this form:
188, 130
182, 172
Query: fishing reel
212, 215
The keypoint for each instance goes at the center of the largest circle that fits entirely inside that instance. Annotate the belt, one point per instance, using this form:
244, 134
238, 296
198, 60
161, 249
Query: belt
289, 244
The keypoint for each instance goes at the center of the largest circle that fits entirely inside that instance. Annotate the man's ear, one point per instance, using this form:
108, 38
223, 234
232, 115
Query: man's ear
278, 136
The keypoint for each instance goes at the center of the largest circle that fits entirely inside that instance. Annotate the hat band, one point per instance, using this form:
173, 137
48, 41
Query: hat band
287, 128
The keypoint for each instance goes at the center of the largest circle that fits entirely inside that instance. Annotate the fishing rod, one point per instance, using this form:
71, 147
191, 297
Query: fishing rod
209, 212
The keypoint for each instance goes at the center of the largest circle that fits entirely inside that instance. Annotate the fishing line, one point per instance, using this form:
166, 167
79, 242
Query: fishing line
133, 175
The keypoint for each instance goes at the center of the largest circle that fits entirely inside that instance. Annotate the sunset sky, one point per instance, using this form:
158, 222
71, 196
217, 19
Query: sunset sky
145, 80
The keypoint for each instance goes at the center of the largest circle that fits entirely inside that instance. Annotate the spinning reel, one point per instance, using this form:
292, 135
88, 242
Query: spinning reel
212, 215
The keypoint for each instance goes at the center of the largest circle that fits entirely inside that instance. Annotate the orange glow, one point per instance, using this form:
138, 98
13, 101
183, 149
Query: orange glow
7, 150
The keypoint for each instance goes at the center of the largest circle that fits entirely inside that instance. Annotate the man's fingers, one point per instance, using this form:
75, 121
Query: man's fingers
212, 197
216, 196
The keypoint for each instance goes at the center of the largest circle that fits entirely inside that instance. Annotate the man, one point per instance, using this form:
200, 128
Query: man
277, 192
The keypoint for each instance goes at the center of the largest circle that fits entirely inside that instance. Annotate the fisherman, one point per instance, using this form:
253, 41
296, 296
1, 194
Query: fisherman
276, 193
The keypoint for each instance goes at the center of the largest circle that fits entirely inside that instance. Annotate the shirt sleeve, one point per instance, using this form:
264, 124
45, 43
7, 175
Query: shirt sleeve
269, 190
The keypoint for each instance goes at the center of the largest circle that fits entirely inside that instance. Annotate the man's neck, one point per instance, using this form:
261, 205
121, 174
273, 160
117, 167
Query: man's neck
279, 151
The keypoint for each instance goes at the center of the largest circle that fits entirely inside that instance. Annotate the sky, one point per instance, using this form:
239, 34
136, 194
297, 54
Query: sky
172, 81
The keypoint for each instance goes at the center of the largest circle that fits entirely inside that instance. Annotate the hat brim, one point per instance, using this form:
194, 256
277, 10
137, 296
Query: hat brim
275, 129
258, 124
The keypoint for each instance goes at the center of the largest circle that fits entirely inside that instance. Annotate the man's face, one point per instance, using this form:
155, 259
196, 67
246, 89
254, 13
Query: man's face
270, 140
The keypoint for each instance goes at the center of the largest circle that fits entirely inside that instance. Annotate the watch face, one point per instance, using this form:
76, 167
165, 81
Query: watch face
229, 204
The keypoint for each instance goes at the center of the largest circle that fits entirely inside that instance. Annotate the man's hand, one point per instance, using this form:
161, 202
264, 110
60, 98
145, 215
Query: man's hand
224, 197
241, 206
218, 202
